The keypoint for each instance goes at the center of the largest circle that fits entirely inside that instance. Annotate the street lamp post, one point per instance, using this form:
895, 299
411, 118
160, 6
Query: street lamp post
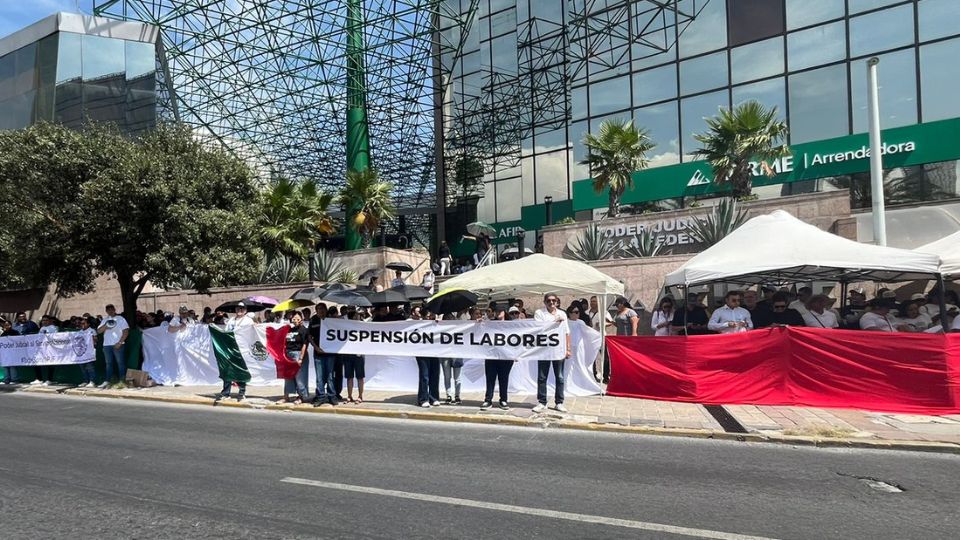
520, 234
548, 207
876, 159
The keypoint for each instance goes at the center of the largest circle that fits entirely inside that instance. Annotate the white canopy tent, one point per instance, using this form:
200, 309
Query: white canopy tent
948, 249
778, 248
536, 274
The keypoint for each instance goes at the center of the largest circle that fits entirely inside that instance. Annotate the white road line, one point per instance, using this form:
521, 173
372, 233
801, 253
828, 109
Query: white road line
539, 512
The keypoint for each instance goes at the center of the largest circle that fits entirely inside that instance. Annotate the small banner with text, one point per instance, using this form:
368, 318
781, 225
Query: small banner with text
47, 349
496, 340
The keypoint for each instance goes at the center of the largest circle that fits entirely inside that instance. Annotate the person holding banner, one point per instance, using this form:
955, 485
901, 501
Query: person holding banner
115, 331
322, 362
551, 312
89, 372
9, 373
354, 368
428, 371
296, 348
44, 375
497, 372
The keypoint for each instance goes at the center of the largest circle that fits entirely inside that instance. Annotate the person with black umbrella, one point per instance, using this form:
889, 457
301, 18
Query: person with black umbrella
497, 371
322, 362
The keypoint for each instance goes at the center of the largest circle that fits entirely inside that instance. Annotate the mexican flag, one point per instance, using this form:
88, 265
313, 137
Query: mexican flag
277, 347
230, 361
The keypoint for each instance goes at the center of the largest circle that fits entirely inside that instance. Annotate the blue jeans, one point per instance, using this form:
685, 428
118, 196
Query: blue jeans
428, 388
9, 374
298, 385
89, 372
323, 371
111, 355
543, 371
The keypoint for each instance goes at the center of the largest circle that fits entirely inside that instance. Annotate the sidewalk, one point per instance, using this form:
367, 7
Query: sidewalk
790, 425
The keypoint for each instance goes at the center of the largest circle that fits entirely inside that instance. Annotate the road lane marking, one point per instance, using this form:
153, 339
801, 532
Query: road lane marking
539, 512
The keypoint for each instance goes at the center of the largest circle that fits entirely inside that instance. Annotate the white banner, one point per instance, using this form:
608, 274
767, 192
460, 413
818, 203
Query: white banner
496, 340
187, 359
47, 349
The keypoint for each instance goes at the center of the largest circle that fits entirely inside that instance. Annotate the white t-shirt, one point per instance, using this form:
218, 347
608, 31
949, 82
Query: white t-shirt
543, 315
827, 319
873, 321
799, 306
920, 323
933, 308
660, 317
113, 334
237, 322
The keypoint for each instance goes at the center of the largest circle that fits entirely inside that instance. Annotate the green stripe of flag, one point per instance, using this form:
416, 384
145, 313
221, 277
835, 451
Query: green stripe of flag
229, 360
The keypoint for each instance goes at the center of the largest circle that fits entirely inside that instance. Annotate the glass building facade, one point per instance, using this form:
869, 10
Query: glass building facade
532, 77
71, 75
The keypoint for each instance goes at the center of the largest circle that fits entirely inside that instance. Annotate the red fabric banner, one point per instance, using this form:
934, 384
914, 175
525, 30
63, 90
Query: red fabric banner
277, 348
815, 367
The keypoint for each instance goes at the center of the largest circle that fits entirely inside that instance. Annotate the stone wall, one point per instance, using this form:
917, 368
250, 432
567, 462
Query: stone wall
37, 302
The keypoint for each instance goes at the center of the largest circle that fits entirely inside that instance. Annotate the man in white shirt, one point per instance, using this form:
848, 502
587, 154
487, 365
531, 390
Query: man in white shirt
241, 320
115, 331
876, 319
180, 323
397, 281
804, 294
551, 312
817, 315
731, 318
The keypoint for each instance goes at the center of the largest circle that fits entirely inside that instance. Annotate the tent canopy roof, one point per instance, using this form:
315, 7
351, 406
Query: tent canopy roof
535, 274
778, 248
948, 248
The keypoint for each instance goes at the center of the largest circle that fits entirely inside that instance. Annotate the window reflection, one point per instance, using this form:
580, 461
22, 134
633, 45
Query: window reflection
662, 123
887, 29
856, 6
818, 104
898, 91
692, 113
610, 95
751, 20
504, 50
703, 73
654, 85
770, 93
707, 32
757, 60
938, 18
816, 46
939, 80
552, 176
802, 13
508, 199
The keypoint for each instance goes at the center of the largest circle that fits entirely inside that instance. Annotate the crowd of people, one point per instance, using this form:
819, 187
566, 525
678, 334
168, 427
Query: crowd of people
751, 309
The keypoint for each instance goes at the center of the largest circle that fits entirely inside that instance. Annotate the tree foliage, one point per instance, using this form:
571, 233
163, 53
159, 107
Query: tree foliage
159, 209
613, 154
295, 216
590, 245
367, 201
748, 132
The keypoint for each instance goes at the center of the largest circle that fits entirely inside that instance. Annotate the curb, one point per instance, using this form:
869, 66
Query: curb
793, 440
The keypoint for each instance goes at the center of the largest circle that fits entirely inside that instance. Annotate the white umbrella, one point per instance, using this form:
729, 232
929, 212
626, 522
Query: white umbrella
478, 227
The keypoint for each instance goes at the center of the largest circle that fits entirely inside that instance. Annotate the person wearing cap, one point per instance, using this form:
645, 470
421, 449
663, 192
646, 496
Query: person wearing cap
692, 319
731, 318
115, 331
818, 315
240, 320
181, 322
877, 319
551, 312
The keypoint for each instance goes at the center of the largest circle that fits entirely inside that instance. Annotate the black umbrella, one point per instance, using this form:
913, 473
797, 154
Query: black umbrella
412, 292
335, 287
402, 266
310, 293
388, 296
231, 307
371, 273
348, 298
451, 301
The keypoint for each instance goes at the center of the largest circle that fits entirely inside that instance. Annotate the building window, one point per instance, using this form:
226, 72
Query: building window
816, 46
692, 113
801, 13
757, 60
610, 95
662, 123
752, 20
938, 18
898, 91
770, 93
708, 32
857, 6
818, 104
509, 195
939, 80
703, 73
882, 30
552, 176
655, 85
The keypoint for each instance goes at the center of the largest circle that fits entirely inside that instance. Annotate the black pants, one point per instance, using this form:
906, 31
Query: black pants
428, 389
44, 373
226, 388
498, 372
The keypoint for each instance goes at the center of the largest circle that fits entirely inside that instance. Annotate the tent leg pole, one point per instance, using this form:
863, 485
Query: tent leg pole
603, 341
943, 303
843, 298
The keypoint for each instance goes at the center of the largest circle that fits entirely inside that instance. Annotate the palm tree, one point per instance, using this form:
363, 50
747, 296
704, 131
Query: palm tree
294, 218
367, 201
613, 155
749, 132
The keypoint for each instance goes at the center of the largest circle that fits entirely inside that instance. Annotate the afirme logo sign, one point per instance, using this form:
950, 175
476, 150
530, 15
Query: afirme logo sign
666, 232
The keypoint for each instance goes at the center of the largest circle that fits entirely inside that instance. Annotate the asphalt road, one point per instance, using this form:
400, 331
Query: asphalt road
90, 468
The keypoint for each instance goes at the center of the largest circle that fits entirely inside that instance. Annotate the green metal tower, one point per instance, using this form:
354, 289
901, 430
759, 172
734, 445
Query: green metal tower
358, 137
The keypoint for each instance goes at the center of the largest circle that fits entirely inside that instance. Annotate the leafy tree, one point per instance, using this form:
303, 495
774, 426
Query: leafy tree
365, 192
156, 209
467, 176
613, 154
721, 221
749, 132
295, 216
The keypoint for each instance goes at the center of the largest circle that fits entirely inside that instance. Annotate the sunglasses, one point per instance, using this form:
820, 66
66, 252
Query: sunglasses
553, 300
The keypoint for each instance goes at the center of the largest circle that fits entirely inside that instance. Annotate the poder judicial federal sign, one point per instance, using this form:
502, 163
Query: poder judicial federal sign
497, 340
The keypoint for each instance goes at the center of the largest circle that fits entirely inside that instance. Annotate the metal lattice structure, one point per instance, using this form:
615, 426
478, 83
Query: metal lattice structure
268, 79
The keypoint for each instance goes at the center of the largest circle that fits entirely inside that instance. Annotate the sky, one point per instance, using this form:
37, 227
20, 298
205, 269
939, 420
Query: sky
16, 14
